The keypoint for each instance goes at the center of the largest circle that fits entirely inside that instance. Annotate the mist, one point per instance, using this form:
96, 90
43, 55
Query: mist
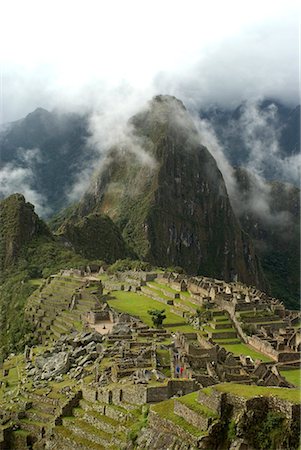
75, 58
108, 59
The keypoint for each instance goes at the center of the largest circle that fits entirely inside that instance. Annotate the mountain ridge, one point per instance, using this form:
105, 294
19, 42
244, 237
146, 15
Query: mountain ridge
181, 214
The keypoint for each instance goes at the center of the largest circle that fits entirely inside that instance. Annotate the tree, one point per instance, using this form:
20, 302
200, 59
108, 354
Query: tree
157, 316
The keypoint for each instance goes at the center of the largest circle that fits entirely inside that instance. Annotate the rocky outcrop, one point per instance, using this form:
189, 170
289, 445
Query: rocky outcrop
95, 236
19, 225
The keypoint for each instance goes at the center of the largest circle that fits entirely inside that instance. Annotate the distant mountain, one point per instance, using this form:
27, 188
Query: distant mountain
259, 135
275, 232
54, 149
51, 146
170, 199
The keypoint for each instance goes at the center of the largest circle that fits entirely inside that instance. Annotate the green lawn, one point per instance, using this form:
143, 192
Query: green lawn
138, 305
166, 288
250, 391
158, 293
244, 349
292, 376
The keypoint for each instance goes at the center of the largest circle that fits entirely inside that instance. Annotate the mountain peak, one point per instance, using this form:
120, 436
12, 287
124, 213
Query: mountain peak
39, 112
167, 101
178, 212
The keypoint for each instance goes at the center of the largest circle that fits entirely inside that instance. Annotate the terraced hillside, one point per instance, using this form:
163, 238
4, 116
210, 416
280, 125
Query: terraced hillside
103, 377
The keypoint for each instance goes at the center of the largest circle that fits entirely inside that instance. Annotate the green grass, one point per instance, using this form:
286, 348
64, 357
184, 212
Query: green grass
208, 329
292, 376
36, 281
164, 357
139, 305
166, 411
158, 293
163, 286
250, 391
227, 341
244, 349
185, 293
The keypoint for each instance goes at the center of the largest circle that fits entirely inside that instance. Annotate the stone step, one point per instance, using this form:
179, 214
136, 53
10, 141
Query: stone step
221, 318
100, 421
61, 325
39, 415
85, 430
216, 313
116, 412
65, 322
33, 427
46, 408
220, 325
68, 440
222, 334
275, 325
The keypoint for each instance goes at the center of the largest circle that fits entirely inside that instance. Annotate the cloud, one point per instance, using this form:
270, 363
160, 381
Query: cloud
18, 177
108, 58
14, 179
260, 136
109, 128
260, 131
223, 52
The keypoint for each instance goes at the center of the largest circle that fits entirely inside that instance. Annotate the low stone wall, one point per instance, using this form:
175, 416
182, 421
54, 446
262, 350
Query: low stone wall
288, 356
213, 401
191, 416
223, 335
263, 347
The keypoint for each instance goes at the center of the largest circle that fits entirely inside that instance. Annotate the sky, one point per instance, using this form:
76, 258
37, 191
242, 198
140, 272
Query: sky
78, 55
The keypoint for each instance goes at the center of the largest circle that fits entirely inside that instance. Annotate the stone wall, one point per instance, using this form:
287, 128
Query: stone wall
204, 342
89, 394
288, 356
66, 410
191, 416
134, 394
263, 347
157, 394
165, 426
213, 401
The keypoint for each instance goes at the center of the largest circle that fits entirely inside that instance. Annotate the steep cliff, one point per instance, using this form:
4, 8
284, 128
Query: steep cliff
19, 225
166, 193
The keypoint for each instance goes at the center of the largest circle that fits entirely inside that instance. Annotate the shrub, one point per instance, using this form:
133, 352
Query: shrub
157, 316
